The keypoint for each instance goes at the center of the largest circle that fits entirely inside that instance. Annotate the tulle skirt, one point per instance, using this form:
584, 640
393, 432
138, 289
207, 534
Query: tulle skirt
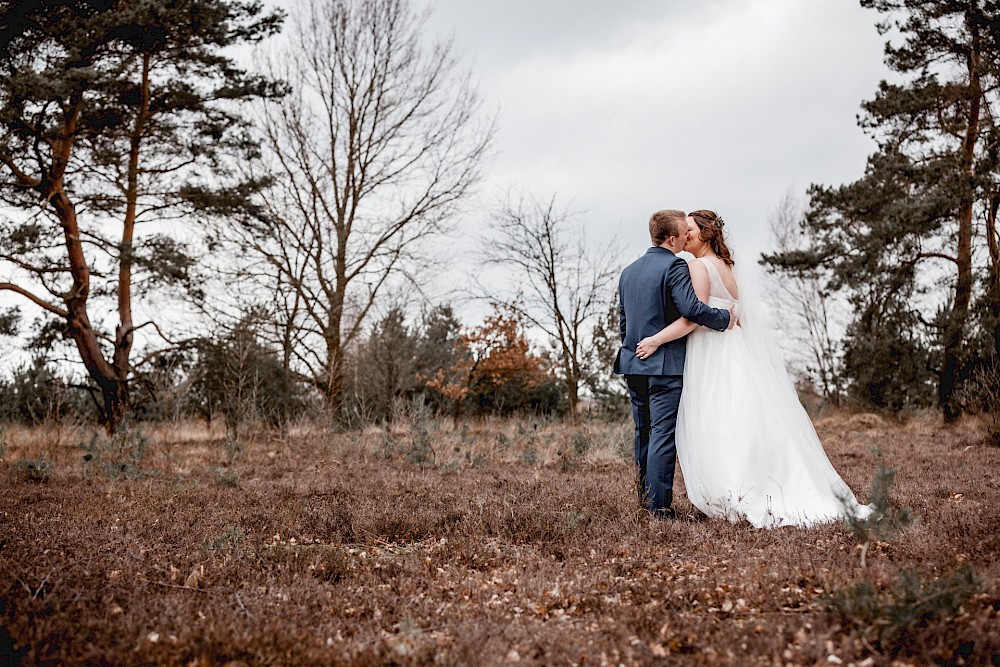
746, 446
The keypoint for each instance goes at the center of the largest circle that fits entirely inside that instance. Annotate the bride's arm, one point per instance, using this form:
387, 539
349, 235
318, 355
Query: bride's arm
681, 327
676, 329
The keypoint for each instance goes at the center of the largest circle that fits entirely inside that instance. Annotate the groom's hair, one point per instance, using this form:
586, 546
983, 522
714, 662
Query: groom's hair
666, 223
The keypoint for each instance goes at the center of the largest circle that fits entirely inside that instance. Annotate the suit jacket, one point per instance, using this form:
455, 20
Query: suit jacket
654, 291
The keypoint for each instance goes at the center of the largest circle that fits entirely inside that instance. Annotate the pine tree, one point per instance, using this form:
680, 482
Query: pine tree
117, 114
904, 235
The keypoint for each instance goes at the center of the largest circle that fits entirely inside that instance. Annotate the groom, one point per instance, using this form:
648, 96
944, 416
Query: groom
654, 291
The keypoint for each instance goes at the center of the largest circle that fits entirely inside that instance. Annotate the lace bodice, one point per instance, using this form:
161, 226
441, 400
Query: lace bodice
718, 296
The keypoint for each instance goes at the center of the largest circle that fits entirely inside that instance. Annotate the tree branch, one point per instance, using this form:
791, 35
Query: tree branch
23, 180
937, 255
35, 299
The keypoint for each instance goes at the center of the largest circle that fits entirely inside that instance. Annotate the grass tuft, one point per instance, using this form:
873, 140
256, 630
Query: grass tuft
35, 471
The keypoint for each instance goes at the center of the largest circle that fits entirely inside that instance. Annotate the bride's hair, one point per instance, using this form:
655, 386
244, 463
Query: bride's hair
710, 227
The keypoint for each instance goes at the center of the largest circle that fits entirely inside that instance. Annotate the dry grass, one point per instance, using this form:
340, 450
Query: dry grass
491, 542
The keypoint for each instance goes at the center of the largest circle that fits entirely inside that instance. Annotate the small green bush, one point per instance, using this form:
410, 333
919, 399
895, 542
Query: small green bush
118, 455
226, 476
886, 521
35, 471
230, 539
887, 620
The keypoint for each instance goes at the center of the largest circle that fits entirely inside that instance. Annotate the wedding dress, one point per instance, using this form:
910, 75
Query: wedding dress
746, 446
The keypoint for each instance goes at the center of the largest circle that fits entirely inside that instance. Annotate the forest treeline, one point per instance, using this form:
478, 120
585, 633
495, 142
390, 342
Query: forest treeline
203, 237
434, 364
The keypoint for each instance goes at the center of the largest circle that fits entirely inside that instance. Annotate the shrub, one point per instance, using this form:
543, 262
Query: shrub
885, 521
981, 394
244, 381
35, 471
36, 393
118, 455
226, 476
229, 540
417, 414
887, 620
886, 365
381, 370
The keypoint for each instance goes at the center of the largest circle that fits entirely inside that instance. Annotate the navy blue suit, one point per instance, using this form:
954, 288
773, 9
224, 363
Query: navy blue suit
654, 291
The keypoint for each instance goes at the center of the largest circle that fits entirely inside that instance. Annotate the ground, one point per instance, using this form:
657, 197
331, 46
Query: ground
479, 543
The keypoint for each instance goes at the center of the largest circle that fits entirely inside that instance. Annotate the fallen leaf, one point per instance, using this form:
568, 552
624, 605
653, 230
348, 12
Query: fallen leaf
196, 577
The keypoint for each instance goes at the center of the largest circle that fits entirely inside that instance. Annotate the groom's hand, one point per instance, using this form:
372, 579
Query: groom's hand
732, 316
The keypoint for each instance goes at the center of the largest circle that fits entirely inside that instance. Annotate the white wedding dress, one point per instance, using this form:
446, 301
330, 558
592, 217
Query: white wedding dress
746, 446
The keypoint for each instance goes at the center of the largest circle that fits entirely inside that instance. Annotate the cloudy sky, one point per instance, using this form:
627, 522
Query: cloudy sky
623, 108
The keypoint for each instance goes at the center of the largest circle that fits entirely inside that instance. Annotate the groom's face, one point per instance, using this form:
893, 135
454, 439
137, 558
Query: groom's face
685, 233
692, 231
676, 242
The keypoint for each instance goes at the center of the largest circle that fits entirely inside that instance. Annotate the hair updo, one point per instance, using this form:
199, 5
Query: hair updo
710, 231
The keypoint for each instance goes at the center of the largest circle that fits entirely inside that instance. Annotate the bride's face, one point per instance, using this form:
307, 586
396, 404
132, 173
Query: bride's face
694, 242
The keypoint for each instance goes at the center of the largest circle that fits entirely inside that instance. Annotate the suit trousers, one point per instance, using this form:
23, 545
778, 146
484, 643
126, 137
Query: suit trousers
655, 401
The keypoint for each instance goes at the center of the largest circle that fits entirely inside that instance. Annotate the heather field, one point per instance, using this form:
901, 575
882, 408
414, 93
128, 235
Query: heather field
483, 543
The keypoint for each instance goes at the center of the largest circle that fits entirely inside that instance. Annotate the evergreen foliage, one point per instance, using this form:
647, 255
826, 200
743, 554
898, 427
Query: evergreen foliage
489, 369
885, 521
439, 349
889, 620
240, 379
113, 115
36, 393
899, 241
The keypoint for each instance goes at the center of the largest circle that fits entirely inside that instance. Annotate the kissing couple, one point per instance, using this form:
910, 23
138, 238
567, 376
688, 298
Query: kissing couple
708, 386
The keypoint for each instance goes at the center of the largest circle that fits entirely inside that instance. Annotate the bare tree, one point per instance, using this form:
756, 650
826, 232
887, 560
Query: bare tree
563, 282
802, 295
371, 153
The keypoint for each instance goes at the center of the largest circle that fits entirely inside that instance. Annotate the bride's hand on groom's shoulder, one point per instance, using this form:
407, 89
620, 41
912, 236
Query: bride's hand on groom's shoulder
646, 348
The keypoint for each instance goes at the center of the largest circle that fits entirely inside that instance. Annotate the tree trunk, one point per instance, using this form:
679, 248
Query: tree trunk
954, 331
333, 389
112, 378
116, 396
573, 392
117, 403
78, 326
80, 330
993, 278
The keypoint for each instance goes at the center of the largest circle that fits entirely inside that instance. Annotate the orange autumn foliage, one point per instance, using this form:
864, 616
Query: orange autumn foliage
491, 357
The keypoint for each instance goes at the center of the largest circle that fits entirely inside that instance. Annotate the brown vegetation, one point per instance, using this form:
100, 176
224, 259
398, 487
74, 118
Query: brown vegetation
477, 543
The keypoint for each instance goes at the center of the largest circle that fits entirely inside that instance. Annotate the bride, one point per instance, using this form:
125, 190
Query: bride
744, 442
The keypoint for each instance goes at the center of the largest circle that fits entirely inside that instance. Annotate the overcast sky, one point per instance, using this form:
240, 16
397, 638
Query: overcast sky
623, 108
